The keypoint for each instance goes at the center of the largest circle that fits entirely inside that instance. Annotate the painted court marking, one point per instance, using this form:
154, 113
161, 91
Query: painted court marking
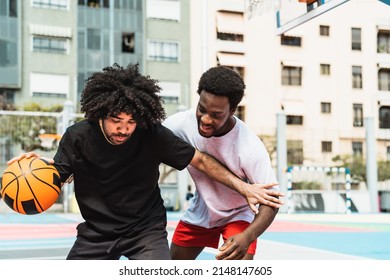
302, 236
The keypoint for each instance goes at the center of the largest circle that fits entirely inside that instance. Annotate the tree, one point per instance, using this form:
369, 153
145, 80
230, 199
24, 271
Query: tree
357, 166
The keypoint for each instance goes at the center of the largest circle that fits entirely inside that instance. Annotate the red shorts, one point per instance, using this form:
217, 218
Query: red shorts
187, 235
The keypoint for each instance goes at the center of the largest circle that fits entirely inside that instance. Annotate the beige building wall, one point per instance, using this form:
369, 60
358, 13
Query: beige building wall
264, 57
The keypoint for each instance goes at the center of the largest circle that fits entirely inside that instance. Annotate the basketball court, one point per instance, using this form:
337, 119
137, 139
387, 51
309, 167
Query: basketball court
307, 236
49, 236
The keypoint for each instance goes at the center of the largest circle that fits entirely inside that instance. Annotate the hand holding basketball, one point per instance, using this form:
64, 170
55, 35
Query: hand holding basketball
30, 184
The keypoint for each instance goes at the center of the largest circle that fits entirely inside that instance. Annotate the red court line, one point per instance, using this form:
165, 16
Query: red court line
290, 226
12, 232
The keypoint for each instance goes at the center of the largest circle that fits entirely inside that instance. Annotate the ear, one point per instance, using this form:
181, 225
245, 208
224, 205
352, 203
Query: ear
232, 111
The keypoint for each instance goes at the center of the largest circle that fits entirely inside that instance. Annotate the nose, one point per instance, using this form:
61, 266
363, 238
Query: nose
205, 119
122, 129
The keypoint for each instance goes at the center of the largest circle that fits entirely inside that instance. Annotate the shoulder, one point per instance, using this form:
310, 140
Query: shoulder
248, 141
180, 118
245, 132
82, 129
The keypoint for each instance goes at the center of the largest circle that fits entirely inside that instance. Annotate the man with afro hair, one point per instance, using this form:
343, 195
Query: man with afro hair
113, 156
215, 210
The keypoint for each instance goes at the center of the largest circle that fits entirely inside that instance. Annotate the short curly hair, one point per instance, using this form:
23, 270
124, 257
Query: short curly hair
118, 90
223, 81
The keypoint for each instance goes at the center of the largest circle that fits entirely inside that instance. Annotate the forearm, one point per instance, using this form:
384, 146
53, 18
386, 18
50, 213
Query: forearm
262, 221
216, 171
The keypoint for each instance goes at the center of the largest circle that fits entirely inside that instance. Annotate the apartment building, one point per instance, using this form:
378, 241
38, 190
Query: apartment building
108, 32
327, 75
167, 50
38, 52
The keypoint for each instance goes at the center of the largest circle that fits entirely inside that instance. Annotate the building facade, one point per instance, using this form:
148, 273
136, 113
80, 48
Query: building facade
39, 50
108, 32
327, 75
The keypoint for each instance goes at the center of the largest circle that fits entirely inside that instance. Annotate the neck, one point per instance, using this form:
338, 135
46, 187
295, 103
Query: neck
228, 126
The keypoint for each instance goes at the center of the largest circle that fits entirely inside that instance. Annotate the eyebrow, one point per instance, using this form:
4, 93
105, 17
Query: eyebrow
118, 118
212, 112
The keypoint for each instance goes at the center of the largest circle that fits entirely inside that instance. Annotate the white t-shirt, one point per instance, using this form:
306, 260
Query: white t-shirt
241, 151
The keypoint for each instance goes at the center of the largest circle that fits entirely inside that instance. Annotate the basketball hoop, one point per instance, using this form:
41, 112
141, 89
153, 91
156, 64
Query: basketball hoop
260, 7
307, 1
48, 140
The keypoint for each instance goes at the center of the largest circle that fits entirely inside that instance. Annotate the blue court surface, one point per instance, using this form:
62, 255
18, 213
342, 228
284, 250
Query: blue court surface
291, 236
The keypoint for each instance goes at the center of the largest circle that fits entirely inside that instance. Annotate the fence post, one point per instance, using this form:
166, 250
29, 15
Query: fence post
348, 190
66, 120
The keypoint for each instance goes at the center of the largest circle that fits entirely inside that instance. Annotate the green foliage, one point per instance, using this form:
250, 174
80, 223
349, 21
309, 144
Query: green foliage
35, 107
357, 166
383, 170
307, 185
24, 130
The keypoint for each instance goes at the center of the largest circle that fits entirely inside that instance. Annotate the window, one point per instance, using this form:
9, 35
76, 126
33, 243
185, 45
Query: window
388, 153
295, 151
163, 9
325, 69
97, 3
294, 120
291, 75
51, 4
357, 115
163, 51
383, 45
384, 79
8, 8
13, 8
357, 149
357, 79
93, 39
6, 99
290, 40
356, 39
8, 53
231, 59
230, 26
49, 85
170, 92
326, 146
324, 30
230, 37
384, 117
326, 107
80, 81
50, 44
239, 70
128, 42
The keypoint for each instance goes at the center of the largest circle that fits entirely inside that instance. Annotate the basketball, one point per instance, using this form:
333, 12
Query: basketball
30, 186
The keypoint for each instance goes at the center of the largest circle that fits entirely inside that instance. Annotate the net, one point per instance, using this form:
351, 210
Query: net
260, 7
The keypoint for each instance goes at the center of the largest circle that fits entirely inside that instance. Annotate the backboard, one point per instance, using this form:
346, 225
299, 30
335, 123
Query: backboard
292, 13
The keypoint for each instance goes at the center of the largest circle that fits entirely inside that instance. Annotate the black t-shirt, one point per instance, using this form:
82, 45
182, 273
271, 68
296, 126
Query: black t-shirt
116, 186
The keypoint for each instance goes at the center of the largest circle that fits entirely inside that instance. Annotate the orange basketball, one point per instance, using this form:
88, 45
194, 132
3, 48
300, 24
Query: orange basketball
30, 186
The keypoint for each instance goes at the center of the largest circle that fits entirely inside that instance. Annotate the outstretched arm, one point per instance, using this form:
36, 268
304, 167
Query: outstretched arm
254, 194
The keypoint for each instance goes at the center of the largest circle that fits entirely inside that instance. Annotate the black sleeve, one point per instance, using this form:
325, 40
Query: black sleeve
175, 152
62, 160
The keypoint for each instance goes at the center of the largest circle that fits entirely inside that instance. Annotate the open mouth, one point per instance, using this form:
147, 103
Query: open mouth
117, 139
206, 129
